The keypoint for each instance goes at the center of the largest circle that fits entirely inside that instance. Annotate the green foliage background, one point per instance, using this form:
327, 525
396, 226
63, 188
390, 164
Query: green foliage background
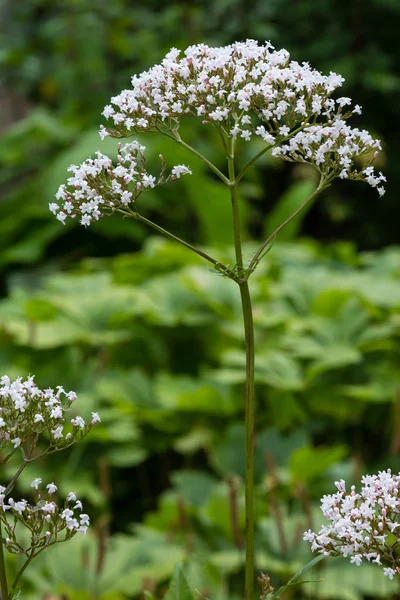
153, 340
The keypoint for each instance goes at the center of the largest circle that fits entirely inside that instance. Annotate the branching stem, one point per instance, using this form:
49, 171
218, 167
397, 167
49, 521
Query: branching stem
203, 158
219, 266
256, 257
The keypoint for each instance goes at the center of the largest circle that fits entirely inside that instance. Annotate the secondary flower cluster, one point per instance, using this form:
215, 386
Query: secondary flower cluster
227, 85
97, 187
46, 521
363, 525
27, 411
333, 149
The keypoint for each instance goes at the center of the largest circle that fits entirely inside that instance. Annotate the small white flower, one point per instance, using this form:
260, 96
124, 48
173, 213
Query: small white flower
36, 482
56, 412
148, 180
86, 220
82, 530
78, 422
61, 216
179, 170
51, 488
57, 432
84, 519
389, 572
67, 513
95, 418
49, 508
343, 101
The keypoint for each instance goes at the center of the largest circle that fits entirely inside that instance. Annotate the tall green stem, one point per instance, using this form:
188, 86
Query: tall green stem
3, 574
235, 208
249, 426
249, 386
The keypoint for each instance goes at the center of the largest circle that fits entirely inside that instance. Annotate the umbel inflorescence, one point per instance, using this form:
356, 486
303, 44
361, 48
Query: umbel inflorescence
29, 415
363, 525
244, 90
97, 187
27, 412
46, 522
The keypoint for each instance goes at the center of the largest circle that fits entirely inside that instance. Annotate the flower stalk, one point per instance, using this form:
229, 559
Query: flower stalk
249, 427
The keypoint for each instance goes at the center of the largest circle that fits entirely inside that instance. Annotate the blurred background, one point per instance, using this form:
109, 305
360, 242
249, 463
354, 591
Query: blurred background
146, 335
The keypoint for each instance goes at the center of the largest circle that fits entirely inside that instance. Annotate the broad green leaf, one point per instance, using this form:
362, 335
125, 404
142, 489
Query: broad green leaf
194, 395
308, 463
179, 587
195, 487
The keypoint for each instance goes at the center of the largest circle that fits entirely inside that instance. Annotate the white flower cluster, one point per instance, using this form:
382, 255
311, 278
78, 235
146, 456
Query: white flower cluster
363, 525
97, 187
333, 149
248, 89
226, 86
27, 411
46, 521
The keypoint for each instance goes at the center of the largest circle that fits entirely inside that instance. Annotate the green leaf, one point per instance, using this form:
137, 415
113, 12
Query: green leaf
179, 587
308, 463
189, 394
334, 357
293, 581
194, 487
37, 309
307, 567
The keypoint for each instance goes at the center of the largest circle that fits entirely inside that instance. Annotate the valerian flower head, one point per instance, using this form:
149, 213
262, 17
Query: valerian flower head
363, 525
26, 412
99, 188
46, 521
234, 86
247, 90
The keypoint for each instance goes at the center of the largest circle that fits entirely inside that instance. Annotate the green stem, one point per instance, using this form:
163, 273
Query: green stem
3, 573
260, 250
219, 266
252, 161
20, 572
249, 426
203, 158
235, 208
249, 386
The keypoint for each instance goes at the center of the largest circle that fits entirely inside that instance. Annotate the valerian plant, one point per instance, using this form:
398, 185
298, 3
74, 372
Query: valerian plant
242, 91
29, 415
